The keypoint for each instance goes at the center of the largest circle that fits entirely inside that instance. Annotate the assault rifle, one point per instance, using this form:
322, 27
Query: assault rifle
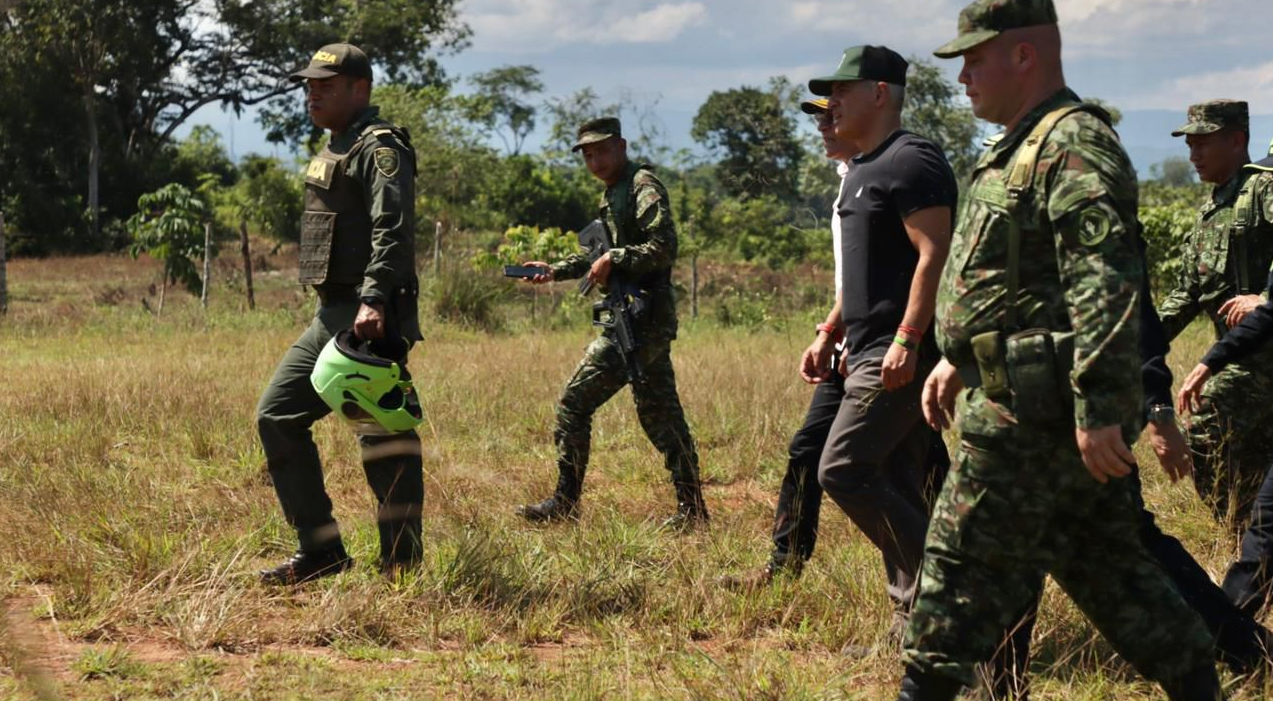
622, 304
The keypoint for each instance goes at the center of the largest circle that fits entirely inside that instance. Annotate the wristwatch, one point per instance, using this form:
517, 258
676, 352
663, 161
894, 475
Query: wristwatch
1160, 413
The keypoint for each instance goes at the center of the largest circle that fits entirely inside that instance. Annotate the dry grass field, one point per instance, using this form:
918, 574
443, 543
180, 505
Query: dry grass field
135, 507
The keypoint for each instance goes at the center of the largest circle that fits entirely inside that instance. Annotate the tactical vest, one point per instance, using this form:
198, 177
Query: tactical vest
1246, 218
619, 214
1014, 200
336, 225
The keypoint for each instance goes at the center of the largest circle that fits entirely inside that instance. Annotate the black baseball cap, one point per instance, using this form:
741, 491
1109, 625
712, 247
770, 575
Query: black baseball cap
335, 59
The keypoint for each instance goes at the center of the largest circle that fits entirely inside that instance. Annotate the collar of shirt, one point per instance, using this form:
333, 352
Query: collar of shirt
1224, 195
354, 132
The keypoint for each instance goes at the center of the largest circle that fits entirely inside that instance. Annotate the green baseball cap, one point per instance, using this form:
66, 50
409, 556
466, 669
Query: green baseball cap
1213, 115
983, 20
817, 105
878, 63
594, 130
335, 59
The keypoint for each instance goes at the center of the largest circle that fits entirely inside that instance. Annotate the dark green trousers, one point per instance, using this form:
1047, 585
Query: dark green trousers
290, 406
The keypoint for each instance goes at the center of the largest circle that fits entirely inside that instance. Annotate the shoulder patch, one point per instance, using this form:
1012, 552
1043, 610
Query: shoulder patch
1093, 226
386, 160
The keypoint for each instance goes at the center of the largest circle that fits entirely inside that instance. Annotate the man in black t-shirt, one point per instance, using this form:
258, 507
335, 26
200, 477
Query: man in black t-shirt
896, 211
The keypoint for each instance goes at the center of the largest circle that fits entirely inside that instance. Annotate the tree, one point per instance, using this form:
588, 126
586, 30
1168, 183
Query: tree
753, 136
268, 196
1175, 171
642, 128
132, 71
168, 226
1115, 114
499, 104
932, 110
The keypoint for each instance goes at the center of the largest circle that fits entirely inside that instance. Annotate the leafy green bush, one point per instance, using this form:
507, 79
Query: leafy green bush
461, 295
1166, 215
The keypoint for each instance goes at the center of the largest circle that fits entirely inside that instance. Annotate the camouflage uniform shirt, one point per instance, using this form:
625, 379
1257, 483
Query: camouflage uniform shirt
638, 216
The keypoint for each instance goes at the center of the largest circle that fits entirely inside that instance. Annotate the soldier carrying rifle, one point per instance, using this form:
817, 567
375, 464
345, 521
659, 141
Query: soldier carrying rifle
637, 216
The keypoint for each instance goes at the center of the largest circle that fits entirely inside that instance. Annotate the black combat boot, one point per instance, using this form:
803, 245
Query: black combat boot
921, 686
308, 566
691, 511
1202, 684
562, 505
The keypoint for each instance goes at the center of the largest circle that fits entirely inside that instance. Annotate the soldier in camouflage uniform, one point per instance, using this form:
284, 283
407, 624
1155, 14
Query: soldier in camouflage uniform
1037, 320
1226, 257
358, 253
638, 218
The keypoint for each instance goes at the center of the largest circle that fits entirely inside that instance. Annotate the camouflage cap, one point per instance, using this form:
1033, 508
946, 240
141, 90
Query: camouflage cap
983, 20
817, 105
864, 63
1213, 115
594, 130
335, 59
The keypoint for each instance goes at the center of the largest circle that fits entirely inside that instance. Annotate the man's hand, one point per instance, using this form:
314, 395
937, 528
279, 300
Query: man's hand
369, 325
1236, 308
899, 367
1189, 400
1104, 452
546, 276
1170, 447
815, 364
940, 391
600, 270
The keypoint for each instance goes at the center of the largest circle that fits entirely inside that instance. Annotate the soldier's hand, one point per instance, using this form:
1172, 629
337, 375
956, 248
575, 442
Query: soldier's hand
899, 367
815, 364
1170, 447
1104, 452
600, 270
369, 325
1189, 399
1236, 308
546, 276
940, 391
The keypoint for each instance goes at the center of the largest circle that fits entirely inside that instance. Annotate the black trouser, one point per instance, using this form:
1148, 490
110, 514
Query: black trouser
800, 498
1250, 579
1239, 639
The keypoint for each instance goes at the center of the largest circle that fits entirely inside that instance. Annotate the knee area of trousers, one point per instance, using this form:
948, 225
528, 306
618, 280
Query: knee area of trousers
842, 476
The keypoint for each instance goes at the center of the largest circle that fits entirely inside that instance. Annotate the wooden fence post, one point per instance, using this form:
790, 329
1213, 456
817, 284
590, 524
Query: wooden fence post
4, 278
247, 262
437, 248
207, 263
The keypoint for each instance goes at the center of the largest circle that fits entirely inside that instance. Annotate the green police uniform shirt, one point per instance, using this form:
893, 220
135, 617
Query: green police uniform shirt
1226, 253
380, 163
1079, 266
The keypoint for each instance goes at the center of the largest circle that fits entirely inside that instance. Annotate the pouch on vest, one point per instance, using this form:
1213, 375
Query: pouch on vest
987, 348
1039, 387
317, 230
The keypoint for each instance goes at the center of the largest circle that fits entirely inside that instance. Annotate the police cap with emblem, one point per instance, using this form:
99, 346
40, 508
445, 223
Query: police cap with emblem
335, 59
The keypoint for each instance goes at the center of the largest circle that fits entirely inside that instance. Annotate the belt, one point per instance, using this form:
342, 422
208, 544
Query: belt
970, 374
329, 295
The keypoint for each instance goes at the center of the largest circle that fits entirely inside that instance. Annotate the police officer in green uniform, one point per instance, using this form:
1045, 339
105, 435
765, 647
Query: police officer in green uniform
358, 253
638, 218
1225, 259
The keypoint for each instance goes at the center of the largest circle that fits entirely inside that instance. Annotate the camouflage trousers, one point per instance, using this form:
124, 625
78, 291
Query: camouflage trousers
599, 376
1017, 505
1232, 439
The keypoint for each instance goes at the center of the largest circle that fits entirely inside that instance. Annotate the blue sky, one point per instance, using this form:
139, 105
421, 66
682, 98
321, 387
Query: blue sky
1150, 58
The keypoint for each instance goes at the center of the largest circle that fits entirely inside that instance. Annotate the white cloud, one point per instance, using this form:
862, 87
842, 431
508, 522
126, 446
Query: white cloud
539, 26
1251, 83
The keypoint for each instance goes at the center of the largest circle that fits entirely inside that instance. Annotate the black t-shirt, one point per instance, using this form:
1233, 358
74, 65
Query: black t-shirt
905, 174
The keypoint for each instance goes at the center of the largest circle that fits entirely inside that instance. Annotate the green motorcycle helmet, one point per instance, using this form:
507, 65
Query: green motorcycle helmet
364, 387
